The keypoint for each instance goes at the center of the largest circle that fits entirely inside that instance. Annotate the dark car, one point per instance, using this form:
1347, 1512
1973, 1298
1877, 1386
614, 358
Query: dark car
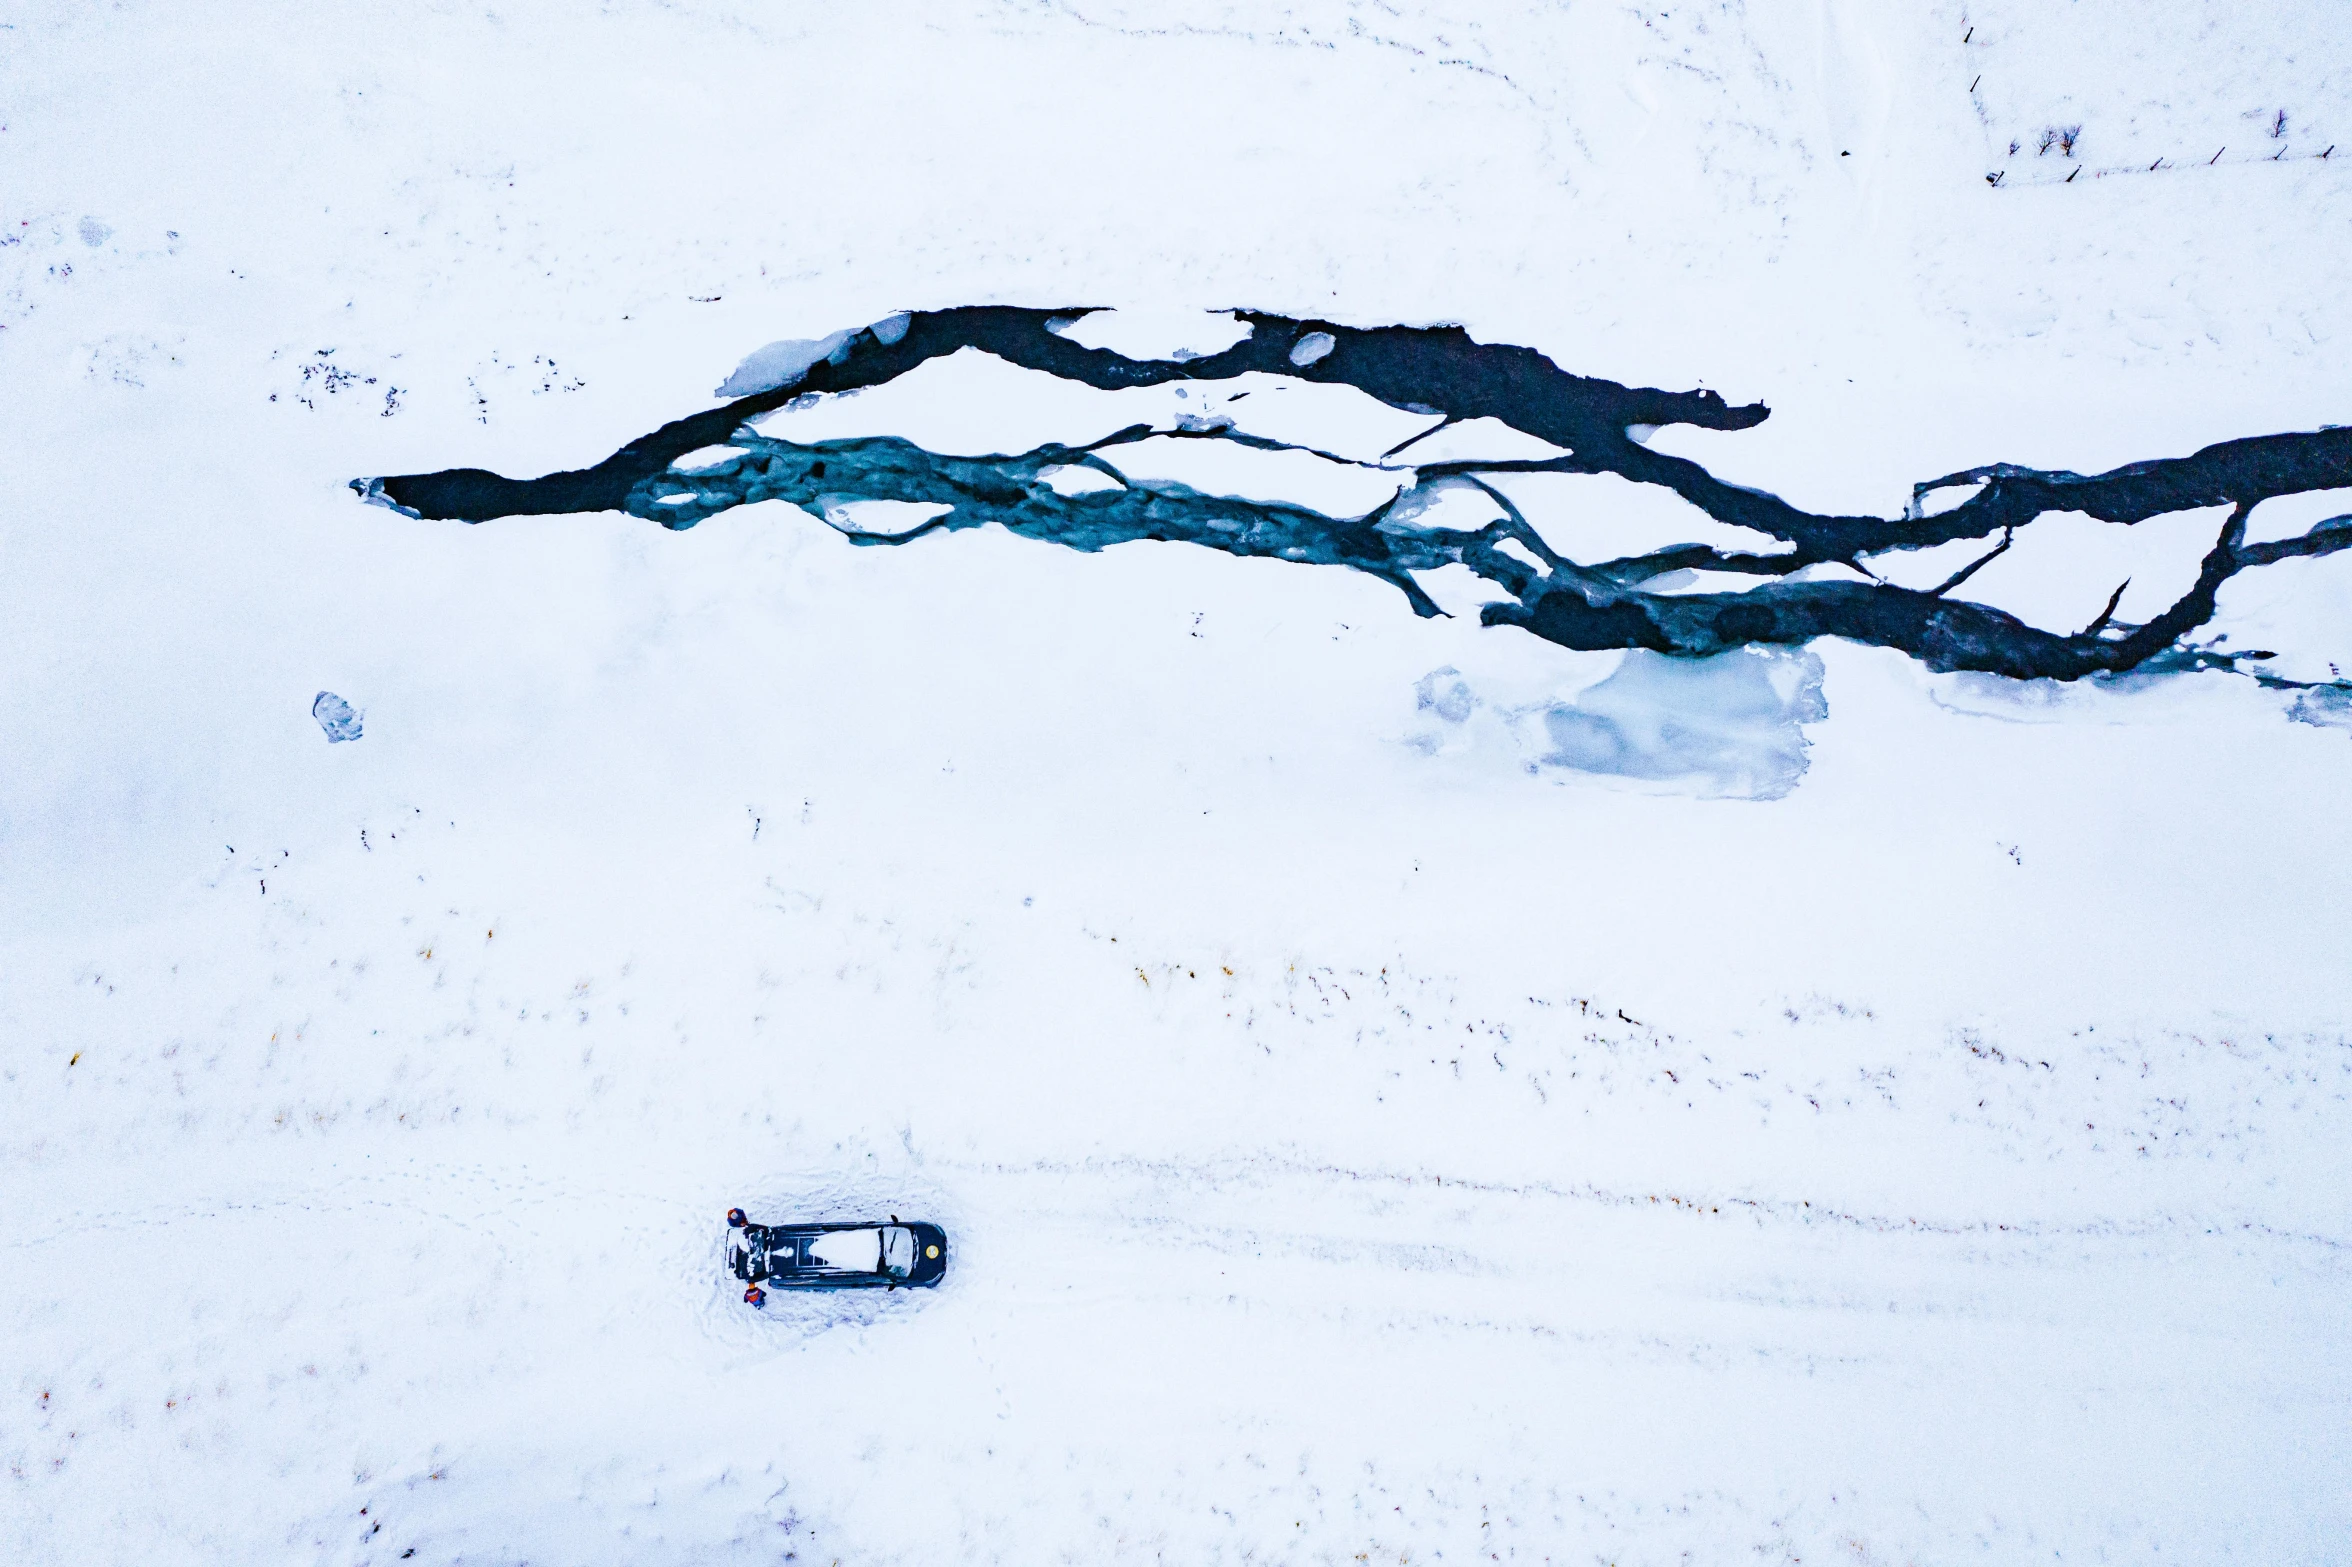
873, 1254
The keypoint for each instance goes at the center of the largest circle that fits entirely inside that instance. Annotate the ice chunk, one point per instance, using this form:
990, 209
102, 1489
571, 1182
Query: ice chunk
1442, 505
1525, 556
886, 519
1824, 571
1732, 725
971, 403
1312, 347
1944, 498
1078, 479
1924, 570
1593, 517
2064, 566
1326, 416
1445, 693
1478, 440
2292, 516
1703, 582
1157, 334
2324, 707
1215, 467
705, 457
1459, 591
335, 716
783, 363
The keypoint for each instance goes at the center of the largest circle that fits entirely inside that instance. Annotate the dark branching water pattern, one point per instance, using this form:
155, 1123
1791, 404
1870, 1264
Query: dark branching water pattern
1442, 371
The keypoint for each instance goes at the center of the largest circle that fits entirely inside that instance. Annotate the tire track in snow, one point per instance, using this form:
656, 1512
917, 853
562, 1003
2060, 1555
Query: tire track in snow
1256, 1169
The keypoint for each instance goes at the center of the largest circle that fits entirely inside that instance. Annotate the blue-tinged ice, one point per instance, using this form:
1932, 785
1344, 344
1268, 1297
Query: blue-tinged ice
1445, 693
783, 363
1732, 724
335, 716
2328, 707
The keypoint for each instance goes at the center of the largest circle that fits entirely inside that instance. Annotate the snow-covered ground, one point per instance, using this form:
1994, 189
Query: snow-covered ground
1365, 1136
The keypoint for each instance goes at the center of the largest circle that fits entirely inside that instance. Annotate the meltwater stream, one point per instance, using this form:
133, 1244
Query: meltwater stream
1441, 372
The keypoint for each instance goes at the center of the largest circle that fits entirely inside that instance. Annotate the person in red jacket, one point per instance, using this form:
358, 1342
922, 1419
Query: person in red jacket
739, 1258
739, 1245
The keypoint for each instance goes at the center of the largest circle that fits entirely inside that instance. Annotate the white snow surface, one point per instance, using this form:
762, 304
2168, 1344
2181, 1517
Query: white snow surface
847, 1249
2186, 87
1360, 1140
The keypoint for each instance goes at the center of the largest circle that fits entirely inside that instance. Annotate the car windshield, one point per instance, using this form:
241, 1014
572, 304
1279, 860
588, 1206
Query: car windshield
898, 1252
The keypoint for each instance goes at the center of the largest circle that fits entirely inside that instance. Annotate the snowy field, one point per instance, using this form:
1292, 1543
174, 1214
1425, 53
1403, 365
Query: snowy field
1368, 1133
